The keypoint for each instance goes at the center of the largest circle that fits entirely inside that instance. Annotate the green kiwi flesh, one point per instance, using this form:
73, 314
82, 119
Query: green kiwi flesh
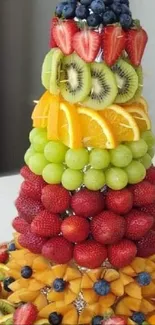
75, 81
104, 88
51, 70
139, 90
127, 81
6, 307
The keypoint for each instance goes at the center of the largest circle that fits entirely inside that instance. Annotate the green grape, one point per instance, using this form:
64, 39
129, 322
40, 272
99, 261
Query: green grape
37, 163
28, 154
116, 178
149, 138
94, 179
138, 148
146, 160
52, 173
72, 179
34, 132
99, 158
77, 158
39, 141
136, 172
151, 152
55, 152
121, 156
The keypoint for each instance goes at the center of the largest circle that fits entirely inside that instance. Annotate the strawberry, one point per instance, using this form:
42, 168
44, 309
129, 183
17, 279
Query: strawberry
58, 250
52, 42
25, 314
114, 320
32, 242
33, 189
146, 245
27, 217
87, 203
28, 207
46, 224
150, 175
3, 253
150, 209
75, 229
90, 254
143, 193
120, 202
86, 44
113, 43
122, 253
20, 225
26, 173
135, 45
108, 227
138, 223
55, 198
62, 33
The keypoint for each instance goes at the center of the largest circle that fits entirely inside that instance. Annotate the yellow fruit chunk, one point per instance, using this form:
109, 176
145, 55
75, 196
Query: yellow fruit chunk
40, 112
69, 126
75, 285
42, 321
140, 117
47, 277
14, 273
95, 274
150, 266
128, 270
133, 290
130, 322
70, 318
53, 119
55, 296
19, 254
59, 270
96, 309
35, 285
40, 264
27, 295
90, 296
151, 320
27, 259
117, 288
111, 275
19, 284
40, 302
107, 301
146, 306
16, 236
13, 265
149, 291
132, 303
138, 264
72, 274
85, 317
122, 309
140, 102
70, 296
126, 279
86, 283
96, 131
123, 124
152, 258
46, 311
14, 297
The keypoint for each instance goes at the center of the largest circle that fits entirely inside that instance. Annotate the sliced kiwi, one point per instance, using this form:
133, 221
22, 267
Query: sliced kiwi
104, 88
6, 320
127, 81
75, 81
139, 90
6, 307
51, 70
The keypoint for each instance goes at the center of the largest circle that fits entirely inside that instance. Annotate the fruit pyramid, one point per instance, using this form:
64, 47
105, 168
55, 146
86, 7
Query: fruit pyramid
84, 244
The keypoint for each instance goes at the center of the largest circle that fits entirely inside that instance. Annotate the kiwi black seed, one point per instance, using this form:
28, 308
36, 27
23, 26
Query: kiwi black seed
104, 88
127, 81
75, 81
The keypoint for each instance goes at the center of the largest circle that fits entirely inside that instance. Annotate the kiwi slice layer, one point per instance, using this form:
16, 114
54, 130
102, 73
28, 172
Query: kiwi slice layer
127, 81
6, 307
139, 90
75, 81
104, 88
51, 70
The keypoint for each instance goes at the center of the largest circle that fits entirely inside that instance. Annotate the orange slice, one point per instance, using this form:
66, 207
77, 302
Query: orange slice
69, 126
96, 131
140, 117
53, 118
40, 112
123, 124
140, 102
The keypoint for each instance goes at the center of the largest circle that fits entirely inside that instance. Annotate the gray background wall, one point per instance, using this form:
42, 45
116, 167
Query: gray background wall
24, 30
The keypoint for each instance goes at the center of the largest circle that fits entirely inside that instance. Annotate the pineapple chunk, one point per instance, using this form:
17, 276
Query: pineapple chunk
134, 290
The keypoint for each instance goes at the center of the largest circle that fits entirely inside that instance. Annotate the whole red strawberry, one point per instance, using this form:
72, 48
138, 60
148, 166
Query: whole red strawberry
25, 314
55, 198
27, 174
149, 209
20, 225
120, 202
62, 33
122, 253
46, 224
87, 203
146, 245
32, 242
136, 40
113, 44
150, 175
28, 207
58, 249
143, 193
3, 253
138, 223
90, 254
108, 227
27, 217
86, 44
32, 190
75, 229
115, 320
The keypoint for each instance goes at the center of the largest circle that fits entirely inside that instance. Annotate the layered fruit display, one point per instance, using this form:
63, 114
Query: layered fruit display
84, 244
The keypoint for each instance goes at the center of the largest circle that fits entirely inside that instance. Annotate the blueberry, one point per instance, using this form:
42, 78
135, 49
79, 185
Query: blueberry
101, 287
126, 21
12, 247
138, 317
69, 11
97, 320
55, 318
59, 285
117, 8
86, 2
109, 17
108, 2
97, 6
7, 282
82, 12
59, 9
144, 279
125, 2
26, 272
93, 20
125, 9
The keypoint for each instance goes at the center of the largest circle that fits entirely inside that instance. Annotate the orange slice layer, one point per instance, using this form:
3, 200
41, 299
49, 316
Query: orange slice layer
141, 103
140, 117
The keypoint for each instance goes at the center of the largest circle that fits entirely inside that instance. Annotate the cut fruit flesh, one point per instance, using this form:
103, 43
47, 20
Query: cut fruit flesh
140, 102
123, 124
139, 90
140, 117
96, 131
40, 112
